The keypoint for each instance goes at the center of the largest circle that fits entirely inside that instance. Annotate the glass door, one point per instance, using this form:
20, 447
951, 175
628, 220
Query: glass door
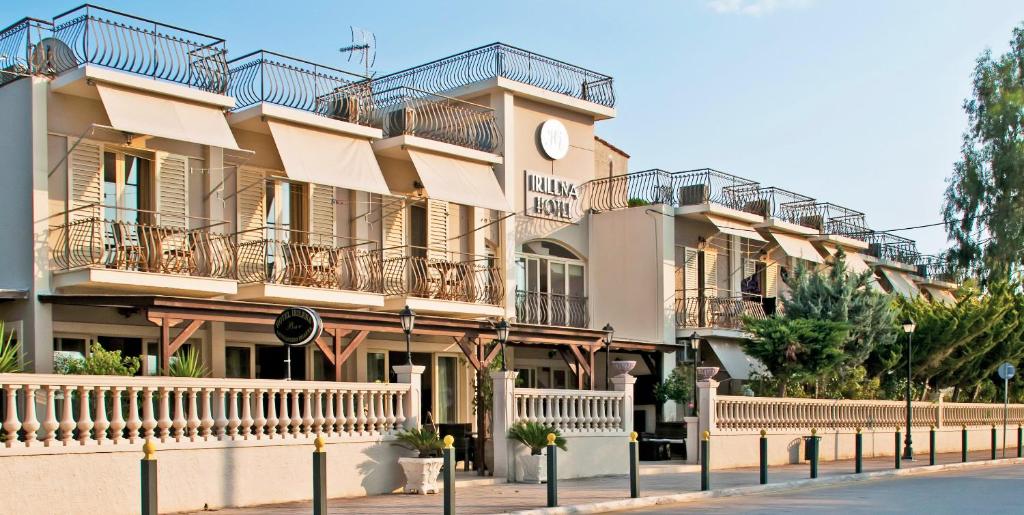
447, 390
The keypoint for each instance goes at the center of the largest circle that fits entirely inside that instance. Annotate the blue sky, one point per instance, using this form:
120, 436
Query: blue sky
857, 103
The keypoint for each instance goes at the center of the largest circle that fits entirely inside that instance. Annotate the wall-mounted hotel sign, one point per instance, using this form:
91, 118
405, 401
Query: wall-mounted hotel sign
551, 197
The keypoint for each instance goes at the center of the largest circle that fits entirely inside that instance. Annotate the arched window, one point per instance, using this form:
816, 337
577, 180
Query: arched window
551, 285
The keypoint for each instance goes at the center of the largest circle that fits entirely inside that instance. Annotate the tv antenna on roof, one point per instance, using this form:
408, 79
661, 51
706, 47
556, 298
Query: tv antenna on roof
364, 44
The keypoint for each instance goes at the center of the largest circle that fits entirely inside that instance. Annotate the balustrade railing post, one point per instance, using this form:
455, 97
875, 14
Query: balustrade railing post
503, 416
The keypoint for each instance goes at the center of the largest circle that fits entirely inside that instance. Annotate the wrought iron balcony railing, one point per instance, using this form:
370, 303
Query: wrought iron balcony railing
657, 186
140, 241
501, 60
723, 310
120, 41
297, 258
405, 110
441, 274
885, 245
20, 52
837, 220
709, 185
939, 268
786, 205
543, 308
264, 76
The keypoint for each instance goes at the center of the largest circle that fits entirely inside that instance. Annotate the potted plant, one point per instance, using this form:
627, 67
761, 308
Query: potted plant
422, 471
535, 436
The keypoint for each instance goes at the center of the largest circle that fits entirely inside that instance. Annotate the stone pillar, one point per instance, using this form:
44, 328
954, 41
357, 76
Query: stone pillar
412, 375
692, 437
624, 383
707, 391
502, 413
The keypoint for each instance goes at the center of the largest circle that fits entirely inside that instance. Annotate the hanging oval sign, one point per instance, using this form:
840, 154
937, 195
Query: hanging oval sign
298, 326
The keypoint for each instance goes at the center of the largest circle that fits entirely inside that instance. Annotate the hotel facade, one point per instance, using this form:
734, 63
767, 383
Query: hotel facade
160, 194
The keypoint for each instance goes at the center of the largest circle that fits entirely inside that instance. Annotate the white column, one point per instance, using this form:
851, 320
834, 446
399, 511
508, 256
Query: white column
692, 437
502, 413
707, 391
412, 375
625, 383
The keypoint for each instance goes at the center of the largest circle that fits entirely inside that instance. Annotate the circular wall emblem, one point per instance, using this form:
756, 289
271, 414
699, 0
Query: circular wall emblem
298, 326
554, 140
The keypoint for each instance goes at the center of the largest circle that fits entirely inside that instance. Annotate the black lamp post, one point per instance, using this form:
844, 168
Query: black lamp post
408, 317
609, 335
908, 327
502, 330
695, 345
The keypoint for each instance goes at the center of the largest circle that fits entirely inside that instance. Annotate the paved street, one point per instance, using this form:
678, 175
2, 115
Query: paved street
503, 498
983, 490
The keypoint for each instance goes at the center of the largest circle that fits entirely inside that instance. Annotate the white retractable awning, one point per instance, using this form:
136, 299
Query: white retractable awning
940, 294
462, 182
727, 226
736, 362
901, 283
797, 248
854, 262
165, 117
321, 157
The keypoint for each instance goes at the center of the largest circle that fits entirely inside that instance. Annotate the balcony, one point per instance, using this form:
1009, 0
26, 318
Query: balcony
938, 268
102, 37
18, 44
264, 76
885, 245
288, 266
104, 248
464, 283
655, 186
412, 112
723, 310
543, 308
505, 61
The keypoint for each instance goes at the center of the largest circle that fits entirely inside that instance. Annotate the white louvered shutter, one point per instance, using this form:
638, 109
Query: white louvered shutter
710, 274
393, 225
321, 214
172, 190
250, 204
85, 179
437, 230
771, 280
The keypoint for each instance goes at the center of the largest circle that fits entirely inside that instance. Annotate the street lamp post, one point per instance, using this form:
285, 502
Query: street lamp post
609, 335
908, 327
695, 345
408, 317
502, 330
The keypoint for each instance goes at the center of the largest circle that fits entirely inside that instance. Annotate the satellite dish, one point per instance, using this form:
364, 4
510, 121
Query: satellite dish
363, 48
52, 55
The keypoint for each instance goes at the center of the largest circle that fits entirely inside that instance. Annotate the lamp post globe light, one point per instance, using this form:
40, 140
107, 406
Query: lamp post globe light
908, 327
502, 331
609, 335
408, 318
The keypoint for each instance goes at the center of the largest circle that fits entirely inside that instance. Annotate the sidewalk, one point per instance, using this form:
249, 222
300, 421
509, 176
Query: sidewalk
512, 497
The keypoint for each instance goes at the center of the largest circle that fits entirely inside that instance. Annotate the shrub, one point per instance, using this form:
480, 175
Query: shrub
10, 350
186, 363
422, 440
535, 436
100, 362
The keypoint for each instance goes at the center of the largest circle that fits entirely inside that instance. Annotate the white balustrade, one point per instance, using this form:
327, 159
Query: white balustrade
571, 411
47, 410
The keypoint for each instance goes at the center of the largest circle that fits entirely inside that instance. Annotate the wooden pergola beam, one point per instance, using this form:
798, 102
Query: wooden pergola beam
168, 346
346, 353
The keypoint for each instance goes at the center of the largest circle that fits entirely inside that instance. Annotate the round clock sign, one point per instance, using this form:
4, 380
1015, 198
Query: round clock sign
554, 140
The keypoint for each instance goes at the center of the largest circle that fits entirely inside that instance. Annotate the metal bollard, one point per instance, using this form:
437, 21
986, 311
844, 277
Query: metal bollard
858, 459
148, 469
813, 442
705, 465
449, 475
1020, 441
994, 444
319, 478
764, 457
634, 466
552, 471
931, 446
898, 460
963, 444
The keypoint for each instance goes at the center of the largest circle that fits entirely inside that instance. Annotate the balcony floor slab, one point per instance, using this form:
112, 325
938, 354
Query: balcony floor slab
105, 280
444, 307
288, 294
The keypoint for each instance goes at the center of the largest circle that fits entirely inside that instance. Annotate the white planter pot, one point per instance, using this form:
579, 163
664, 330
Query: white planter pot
535, 468
421, 474
622, 367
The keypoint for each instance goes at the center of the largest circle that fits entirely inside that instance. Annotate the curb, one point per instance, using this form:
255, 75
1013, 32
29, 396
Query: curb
645, 502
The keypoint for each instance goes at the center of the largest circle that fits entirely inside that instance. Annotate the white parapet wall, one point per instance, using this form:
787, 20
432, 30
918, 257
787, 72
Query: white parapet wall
220, 442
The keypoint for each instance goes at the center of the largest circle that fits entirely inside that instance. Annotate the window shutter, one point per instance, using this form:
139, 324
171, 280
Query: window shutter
393, 225
710, 274
771, 280
690, 272
172, 190
250, 202
437, 229
85, 179
321, 214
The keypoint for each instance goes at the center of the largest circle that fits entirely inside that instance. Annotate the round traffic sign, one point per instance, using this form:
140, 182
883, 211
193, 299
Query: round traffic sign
1006, 371
298, 326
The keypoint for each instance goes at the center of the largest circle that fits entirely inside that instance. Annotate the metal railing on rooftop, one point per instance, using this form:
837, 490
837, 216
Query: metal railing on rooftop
885, 245
405, 110
787, 206
20, 53
124, 42
501, 60
264, 76
938, 268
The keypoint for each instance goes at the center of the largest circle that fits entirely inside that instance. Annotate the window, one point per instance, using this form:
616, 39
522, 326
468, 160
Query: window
418, 230
551, 285
237, 362
447, 389
127, 187
376, 367
527, 378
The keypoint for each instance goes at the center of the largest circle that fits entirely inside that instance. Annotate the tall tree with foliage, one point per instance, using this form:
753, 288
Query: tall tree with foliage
841, 296
984, 208
797, 349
